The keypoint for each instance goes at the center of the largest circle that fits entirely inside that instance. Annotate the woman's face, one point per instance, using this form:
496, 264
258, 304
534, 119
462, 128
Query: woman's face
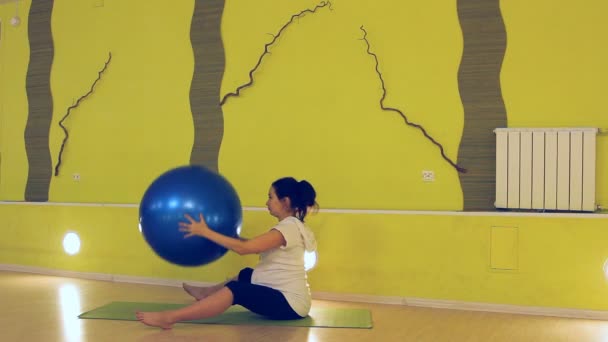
278, 208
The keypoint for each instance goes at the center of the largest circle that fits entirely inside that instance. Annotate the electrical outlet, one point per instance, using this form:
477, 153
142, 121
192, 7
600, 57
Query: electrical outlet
428, 176
76, 177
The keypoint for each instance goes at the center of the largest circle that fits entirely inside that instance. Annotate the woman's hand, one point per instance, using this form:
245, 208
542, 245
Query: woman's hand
267, 241
193, 227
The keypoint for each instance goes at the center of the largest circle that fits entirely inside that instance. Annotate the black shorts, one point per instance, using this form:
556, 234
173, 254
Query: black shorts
260, 299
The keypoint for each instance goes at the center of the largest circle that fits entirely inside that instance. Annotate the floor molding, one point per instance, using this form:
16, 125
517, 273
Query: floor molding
99, 276
343, 297
467, 306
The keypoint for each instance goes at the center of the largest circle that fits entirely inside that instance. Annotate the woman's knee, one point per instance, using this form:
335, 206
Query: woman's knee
245, 275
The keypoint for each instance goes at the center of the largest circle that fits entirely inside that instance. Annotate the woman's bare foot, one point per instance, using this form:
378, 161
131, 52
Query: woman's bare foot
198, 292
155, 319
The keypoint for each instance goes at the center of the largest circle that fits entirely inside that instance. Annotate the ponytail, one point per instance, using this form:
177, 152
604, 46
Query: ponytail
302, 195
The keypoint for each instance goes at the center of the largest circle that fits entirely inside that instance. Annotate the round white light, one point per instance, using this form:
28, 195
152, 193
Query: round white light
310, 260
606, 269
71, 243
15, 21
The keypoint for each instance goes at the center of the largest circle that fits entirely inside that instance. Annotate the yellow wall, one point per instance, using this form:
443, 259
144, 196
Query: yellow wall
14, 59
448, 257
110, 242
554, 72
313, 112
559, 260
137, 124
315, 106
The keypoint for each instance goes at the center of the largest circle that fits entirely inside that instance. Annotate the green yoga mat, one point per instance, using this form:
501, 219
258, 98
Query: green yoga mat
236, 315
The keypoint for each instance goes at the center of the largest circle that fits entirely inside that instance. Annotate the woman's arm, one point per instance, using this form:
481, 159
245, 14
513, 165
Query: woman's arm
270, 240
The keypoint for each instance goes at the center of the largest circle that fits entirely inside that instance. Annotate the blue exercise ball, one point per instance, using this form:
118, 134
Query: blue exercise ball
189, 190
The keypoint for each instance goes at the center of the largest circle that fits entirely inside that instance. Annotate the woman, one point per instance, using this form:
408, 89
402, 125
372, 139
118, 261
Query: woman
278, 287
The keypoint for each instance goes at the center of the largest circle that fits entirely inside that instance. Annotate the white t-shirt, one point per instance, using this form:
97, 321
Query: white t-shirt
283, 268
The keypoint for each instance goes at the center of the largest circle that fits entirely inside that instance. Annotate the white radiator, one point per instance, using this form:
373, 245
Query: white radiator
546, 168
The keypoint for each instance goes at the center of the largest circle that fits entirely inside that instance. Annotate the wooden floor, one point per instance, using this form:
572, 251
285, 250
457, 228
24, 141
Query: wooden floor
44, 308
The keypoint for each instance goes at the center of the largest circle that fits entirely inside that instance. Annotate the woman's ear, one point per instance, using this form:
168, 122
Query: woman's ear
286, 202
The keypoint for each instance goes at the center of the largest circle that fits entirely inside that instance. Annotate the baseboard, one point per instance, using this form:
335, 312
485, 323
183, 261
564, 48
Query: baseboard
56, 273
156, 281
508, 308
99, 276
467, 306
357, 298
343, 297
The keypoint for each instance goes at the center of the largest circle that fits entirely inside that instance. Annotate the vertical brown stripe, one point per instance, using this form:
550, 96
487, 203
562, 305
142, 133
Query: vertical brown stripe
40, 101
479, 84
209, 61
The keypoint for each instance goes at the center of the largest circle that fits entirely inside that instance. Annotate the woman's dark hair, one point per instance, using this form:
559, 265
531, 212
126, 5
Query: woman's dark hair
301, 194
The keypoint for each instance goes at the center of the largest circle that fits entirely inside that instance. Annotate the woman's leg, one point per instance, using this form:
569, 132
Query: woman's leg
210, 306
200, 292
262, 300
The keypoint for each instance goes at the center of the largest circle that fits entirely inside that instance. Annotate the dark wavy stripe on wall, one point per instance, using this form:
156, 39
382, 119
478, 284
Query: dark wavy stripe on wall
209, 61
40, 102
479, 85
